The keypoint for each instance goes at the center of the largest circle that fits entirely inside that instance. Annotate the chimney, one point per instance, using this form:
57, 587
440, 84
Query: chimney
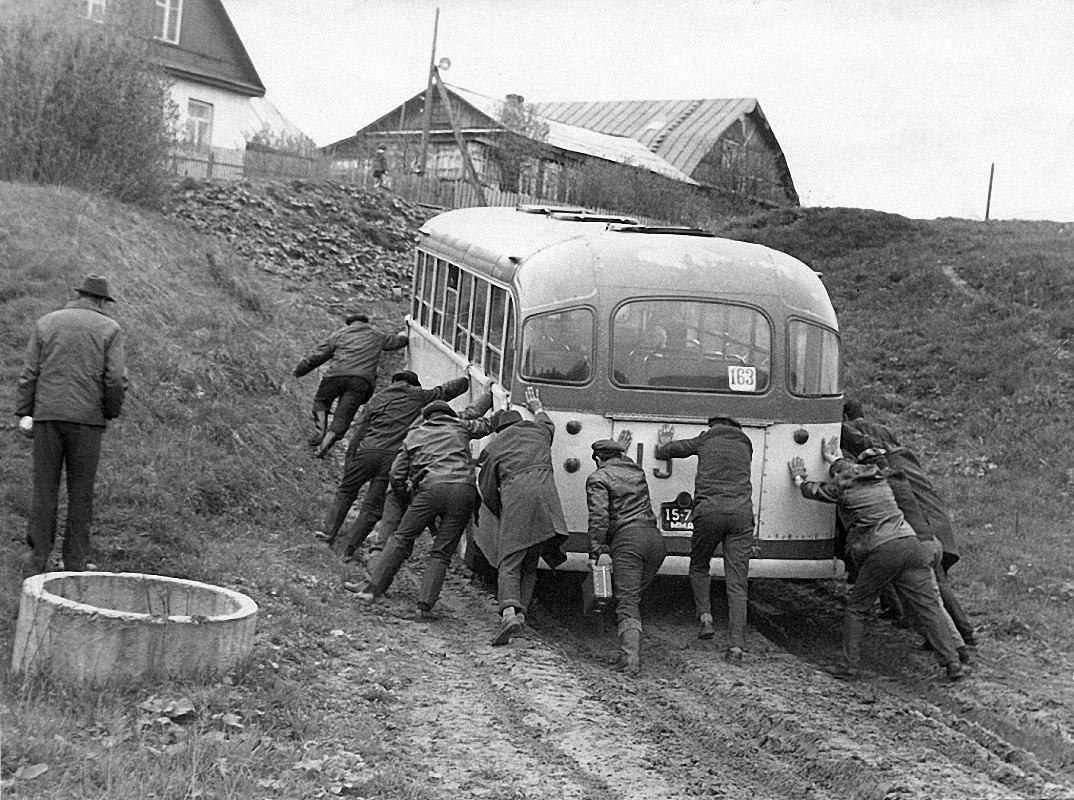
515, 99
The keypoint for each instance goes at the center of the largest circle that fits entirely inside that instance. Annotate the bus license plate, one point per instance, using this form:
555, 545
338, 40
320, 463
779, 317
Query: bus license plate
675, 518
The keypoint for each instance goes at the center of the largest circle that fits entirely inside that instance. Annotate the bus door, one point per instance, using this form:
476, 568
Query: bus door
671, 482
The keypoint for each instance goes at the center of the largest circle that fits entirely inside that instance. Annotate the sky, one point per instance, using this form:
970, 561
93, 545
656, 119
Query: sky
895, 106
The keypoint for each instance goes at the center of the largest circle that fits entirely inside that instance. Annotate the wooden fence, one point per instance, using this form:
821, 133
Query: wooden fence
221, 163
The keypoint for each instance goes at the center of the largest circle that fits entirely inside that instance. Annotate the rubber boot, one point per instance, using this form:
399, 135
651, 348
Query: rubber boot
333, 520
629, 647
510, 624
431, 581
327, 443
320, 427
701, 583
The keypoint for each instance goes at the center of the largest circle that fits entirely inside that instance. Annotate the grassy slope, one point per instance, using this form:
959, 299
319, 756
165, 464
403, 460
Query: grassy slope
973, 367
205, 475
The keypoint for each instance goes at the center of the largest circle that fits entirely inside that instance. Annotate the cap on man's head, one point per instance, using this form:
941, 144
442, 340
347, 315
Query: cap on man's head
437, 407
507, 419
408, 376
356, 316
723, 419
608, 447
96, 286
871, 454
852, 409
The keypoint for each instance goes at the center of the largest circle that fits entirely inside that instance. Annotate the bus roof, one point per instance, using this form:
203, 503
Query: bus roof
556, 258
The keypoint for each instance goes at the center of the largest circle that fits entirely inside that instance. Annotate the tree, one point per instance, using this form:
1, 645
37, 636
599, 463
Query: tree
521, 150
81, 102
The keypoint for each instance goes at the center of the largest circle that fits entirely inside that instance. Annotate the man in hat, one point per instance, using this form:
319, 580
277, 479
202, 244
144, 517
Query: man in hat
72, 383
373, 447
435, 467
354, 351
887, 551
622, 524
518, 486
722, 514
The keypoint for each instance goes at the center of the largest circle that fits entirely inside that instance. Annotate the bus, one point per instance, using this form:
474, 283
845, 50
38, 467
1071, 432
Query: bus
623, 326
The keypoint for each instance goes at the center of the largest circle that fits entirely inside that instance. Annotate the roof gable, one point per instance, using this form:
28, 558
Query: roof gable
209, 50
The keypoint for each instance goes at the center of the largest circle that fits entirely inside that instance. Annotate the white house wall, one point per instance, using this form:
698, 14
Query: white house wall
233, 118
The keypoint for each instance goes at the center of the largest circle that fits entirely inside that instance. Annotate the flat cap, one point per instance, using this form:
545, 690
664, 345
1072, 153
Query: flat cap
438, 407
608, 446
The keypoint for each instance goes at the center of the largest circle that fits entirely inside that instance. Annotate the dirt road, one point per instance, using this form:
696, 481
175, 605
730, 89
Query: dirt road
442, 714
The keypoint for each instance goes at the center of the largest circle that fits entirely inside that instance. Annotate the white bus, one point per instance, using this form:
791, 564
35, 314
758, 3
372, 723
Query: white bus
623, 326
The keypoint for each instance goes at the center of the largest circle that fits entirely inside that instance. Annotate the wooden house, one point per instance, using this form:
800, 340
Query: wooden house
533, 148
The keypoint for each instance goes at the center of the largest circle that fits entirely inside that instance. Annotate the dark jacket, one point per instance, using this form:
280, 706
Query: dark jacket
934, 519
390, 412
74, 368
860, 434
523, 447
518, 486
354, 351
438, 451
618, 498
724, 457
866, 505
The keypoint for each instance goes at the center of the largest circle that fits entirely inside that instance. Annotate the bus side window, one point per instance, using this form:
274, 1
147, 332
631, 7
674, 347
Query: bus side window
462, 325
494, 342
477, 322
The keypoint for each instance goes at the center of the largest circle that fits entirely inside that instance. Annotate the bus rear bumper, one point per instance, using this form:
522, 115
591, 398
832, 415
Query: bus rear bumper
789, 568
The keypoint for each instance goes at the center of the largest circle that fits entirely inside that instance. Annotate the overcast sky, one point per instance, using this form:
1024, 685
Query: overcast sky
896, 106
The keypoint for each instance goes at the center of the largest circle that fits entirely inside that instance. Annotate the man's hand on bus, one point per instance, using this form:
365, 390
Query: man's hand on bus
624, 438
665, 435
830, 450
796, 466
533, 400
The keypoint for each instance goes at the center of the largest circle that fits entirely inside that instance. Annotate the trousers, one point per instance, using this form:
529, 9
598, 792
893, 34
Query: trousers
637, 553
735, 533
76, 449
517, 576
351, 391
450, 503
907, 564
369, 468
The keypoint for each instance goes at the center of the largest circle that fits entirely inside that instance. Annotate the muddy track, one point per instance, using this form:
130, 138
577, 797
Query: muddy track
546, 717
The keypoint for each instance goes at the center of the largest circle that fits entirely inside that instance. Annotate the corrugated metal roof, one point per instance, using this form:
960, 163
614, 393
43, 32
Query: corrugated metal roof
679, 131
579, 139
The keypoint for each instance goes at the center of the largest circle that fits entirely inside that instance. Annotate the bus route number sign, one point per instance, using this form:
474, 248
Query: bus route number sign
742, 379
675, 518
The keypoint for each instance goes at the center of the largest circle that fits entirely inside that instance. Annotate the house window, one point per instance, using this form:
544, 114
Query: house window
166, 21
199, 123
95, 10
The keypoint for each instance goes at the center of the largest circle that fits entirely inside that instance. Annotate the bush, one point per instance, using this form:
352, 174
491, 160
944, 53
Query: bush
81, 103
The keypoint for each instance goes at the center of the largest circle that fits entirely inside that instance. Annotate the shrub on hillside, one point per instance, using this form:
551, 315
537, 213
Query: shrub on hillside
634, 191
81, 103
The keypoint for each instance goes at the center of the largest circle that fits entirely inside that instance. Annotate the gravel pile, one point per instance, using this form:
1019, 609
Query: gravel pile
349, 243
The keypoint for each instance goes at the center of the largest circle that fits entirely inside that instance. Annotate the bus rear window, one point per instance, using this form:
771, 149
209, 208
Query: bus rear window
812, 360
683, 344
558, 348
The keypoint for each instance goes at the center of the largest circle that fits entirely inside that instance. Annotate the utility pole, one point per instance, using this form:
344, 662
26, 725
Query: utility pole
988, 204
427, 112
